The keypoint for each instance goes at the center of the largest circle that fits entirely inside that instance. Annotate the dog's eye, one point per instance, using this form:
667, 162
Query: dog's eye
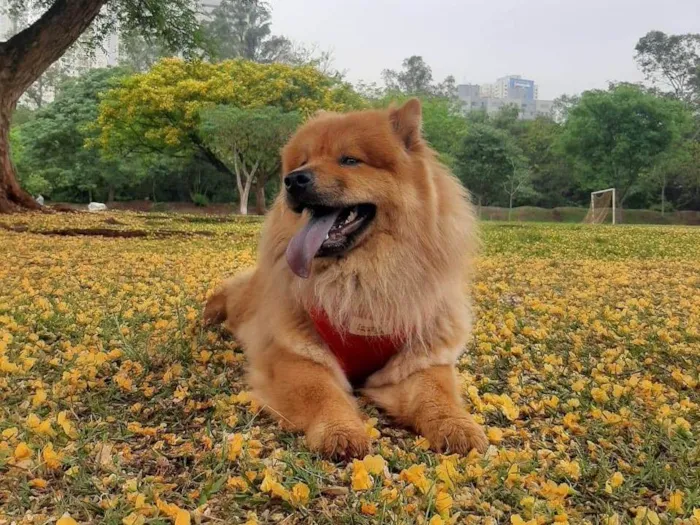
349, 161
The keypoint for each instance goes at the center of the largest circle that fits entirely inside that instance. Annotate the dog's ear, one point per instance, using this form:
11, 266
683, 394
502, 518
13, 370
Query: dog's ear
407, 121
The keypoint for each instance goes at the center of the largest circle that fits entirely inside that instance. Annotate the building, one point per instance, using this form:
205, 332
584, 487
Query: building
511, 90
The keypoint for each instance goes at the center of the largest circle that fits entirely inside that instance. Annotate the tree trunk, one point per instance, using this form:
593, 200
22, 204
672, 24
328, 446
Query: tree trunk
663, 196
260, 205
245, 194
12, 197
23, 59
510, 207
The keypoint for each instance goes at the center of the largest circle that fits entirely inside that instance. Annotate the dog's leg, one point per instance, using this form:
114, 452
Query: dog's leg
305, 395
231, 301
429, 402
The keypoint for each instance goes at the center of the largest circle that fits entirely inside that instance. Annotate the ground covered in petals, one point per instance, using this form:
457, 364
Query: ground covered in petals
117, 407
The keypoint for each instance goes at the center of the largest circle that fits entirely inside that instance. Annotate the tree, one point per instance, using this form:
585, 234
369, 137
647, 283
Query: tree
415, 78
550, 170
139, 53
444, 124
241, 29
563, 105
517, 180
673, 61
491, 165
53, 153
248, 141
39, 92
29, 53
616, 135
160, 111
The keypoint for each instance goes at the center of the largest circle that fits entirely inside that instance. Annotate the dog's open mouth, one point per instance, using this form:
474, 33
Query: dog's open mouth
329, 232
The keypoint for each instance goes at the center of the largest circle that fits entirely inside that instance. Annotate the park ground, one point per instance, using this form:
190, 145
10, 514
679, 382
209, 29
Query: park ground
116, 406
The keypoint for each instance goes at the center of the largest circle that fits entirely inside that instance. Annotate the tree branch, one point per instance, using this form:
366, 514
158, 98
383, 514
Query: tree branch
25, 56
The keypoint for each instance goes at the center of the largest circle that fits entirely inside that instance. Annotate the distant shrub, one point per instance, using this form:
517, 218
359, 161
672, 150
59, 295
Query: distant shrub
200, 200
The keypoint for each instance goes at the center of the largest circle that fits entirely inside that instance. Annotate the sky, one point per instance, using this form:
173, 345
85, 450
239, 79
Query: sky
565, 46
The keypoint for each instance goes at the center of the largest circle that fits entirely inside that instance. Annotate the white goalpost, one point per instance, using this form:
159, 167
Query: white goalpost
603, 204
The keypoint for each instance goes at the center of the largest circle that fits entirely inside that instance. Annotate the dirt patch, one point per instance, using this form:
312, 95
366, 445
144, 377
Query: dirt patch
99, 232
114, 222
19, 228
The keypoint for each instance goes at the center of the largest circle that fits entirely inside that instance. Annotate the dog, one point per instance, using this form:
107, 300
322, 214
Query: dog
361, 282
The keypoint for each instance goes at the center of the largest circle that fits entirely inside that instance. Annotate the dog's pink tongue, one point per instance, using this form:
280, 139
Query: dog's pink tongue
302, 249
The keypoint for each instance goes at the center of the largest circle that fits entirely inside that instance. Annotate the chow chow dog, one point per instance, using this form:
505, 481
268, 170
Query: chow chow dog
361, 282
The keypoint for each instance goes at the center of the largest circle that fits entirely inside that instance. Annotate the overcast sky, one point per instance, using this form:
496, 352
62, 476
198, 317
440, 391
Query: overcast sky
564, 46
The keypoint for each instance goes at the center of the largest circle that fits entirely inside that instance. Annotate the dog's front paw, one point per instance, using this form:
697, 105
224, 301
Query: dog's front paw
458, 434
338, 439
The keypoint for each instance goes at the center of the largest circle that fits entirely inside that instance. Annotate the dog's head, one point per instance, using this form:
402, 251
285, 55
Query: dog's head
357, 176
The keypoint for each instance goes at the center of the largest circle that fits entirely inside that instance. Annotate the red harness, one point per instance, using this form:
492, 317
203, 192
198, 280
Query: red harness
359, 355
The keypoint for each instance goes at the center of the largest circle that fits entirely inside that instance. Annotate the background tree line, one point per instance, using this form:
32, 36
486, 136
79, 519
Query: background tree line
209, 129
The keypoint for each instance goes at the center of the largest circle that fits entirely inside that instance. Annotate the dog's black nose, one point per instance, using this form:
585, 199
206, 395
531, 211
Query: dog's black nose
297, 182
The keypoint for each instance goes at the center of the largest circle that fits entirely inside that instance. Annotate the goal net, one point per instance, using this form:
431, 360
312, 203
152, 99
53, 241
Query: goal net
604, 208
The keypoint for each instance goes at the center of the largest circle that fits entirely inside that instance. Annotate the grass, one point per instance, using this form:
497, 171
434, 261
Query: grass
117, 407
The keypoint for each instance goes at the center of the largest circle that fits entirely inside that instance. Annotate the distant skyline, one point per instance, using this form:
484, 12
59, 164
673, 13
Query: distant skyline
564, 46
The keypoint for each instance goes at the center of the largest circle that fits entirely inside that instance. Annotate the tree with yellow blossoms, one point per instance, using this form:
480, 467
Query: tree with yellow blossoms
160, 111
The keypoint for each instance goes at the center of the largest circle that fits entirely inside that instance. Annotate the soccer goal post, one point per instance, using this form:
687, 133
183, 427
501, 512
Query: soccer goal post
603, 206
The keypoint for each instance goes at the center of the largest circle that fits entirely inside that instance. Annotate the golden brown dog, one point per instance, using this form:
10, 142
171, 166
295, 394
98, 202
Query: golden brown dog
361, 280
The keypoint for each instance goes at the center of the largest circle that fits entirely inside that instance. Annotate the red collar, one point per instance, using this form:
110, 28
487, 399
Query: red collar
359, 350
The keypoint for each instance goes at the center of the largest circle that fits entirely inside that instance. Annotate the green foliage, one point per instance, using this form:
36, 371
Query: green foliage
672, 61
160, 110
170, 22
49, 149
444, 125
615, 135
200, 200
248, 141
491, 165
416, 78
242, 29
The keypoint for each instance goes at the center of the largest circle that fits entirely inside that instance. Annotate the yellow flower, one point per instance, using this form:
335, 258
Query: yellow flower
66, 520
22, 451
644, 516
274, 487
370, 429
389, 495
613, 519
615, 481
495, 435
443, 502
182, 517
237, 483
134, 519
599, 395
374, 464
436, 520
10, 433
361, 480
570, 468
300, 494
370, 509
52, 459
67, 426
675, 502
39, 398
416, 475
235, 446
447, 473
38, 483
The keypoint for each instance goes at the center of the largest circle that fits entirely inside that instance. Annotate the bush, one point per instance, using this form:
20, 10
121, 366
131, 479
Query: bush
200, 199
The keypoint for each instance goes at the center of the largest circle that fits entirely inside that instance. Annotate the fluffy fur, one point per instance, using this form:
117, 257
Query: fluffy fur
407, 273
